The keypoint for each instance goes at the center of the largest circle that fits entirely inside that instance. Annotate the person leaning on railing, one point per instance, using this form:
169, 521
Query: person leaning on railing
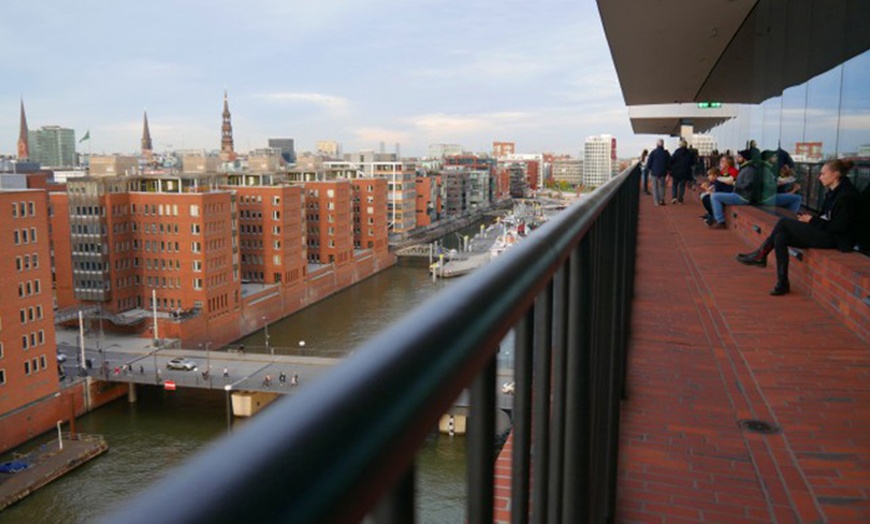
835, 227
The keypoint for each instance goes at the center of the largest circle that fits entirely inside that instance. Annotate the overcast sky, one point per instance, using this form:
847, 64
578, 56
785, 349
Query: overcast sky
414, 72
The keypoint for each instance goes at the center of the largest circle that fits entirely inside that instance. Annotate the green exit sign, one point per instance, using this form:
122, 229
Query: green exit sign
708, 105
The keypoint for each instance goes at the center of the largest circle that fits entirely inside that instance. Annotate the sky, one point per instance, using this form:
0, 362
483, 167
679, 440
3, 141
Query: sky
413, 72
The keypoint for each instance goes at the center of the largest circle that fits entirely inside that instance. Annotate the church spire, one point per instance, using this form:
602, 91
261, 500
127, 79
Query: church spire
147, 148
227, 152
23, 141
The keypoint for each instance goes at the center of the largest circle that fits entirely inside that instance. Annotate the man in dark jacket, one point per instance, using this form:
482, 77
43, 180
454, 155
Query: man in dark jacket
659, 162
682, 163
743, 190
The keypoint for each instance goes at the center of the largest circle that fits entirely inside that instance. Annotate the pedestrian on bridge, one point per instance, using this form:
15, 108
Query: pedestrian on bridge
294, 380
226, 373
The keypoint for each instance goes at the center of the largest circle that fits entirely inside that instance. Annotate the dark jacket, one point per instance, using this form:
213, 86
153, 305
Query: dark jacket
659, 161
745, 183
839, 214
681, 164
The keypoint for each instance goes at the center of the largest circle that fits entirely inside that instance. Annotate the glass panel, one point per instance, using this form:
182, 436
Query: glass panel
855, 111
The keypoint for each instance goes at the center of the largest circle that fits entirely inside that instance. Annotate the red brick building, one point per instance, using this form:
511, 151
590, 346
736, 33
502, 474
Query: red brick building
370, 223
329, 222
429, 208
28, 365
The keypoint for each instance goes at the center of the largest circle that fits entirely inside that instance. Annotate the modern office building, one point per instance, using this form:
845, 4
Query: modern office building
455, 192
599, 160
53, 146
569, 171
287, 148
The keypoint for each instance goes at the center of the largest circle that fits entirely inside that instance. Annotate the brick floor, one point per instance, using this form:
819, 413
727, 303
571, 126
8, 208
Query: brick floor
710, 347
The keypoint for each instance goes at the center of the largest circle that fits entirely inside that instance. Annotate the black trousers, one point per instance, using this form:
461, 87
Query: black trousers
789, 232
705, 201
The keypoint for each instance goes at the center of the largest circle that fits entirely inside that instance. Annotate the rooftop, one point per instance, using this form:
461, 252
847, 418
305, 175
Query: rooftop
711, 348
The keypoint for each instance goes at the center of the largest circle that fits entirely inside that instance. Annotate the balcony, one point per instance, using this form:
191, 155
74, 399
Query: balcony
678, 390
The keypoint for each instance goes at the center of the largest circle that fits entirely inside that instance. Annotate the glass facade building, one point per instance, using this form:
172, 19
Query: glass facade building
831, 109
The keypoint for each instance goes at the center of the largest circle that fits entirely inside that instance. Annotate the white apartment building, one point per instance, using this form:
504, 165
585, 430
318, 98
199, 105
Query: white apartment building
599, 160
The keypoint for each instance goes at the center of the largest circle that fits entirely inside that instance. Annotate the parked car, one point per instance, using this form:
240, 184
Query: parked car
184, 364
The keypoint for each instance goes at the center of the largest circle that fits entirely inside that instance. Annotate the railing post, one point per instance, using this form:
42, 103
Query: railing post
481, 446
575, 494
398, 506
522, 420
557, 425
541, 401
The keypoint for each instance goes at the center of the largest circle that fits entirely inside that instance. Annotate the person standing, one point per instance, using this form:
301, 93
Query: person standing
659, 162
835, 227
644, 169
682, 163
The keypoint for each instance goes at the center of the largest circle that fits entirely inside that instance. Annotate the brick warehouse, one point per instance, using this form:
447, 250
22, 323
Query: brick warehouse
215, 255
203, 245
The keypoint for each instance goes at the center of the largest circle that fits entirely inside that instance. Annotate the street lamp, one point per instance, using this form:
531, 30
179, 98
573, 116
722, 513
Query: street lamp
266, 333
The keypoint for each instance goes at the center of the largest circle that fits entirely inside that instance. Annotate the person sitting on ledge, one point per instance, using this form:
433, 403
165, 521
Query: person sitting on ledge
744, 187
835, 227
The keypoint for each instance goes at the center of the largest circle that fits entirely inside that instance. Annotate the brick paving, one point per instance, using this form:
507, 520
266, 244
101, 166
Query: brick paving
709, 348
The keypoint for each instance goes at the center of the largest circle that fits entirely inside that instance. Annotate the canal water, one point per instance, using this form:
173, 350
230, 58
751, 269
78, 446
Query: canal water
164, 428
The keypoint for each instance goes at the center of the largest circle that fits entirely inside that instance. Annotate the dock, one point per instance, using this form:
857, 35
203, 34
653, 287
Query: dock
47, 463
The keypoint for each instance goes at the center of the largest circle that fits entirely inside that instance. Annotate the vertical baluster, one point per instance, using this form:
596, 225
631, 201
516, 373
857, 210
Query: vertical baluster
522, 423
557, 424
541, 402
481, 446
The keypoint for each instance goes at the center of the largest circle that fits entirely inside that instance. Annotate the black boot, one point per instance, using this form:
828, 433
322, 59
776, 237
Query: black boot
757, 257
781, 288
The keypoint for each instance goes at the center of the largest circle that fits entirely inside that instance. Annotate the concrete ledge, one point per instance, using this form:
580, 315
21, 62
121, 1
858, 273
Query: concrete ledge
839, 281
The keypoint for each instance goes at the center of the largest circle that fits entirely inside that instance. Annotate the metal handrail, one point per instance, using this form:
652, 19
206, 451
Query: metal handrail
344, 446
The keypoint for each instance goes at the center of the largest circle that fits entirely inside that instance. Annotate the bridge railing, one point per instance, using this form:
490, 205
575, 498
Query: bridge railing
344, 447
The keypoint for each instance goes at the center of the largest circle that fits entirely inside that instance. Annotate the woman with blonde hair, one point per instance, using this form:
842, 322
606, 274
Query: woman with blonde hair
835, 227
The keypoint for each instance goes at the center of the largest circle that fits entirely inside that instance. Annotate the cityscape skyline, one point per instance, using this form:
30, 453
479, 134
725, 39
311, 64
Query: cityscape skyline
539, 76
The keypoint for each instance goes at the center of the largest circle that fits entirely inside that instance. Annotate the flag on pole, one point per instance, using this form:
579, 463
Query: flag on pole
86, 137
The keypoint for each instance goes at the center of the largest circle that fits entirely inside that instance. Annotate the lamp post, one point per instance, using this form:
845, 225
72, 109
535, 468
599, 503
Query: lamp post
266, 334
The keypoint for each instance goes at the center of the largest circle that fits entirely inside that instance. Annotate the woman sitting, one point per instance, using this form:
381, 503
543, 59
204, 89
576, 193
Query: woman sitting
835, 227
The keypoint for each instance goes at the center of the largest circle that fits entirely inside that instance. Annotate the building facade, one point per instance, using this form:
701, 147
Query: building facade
599, 160
28, 365
568, 171
53, 146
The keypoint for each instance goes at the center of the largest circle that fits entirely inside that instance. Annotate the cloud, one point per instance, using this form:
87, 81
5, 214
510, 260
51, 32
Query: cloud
370, 135
332, 103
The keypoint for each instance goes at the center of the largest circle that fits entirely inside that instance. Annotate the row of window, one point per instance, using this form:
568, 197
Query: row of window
29, 288
23, 209
35, 365
30, 314
27, 262
33, 339
24, 236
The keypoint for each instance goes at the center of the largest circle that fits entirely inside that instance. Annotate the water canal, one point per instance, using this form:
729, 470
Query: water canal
151, 437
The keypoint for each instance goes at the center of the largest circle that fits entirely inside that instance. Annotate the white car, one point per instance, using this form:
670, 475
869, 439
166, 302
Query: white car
184, 364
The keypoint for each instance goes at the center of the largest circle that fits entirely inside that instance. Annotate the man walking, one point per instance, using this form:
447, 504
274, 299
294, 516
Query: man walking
659, 162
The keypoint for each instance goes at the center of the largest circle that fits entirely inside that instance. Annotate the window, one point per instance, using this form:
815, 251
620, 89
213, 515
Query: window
2, 377
197, 265
197, 283
26, 367
194, 210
